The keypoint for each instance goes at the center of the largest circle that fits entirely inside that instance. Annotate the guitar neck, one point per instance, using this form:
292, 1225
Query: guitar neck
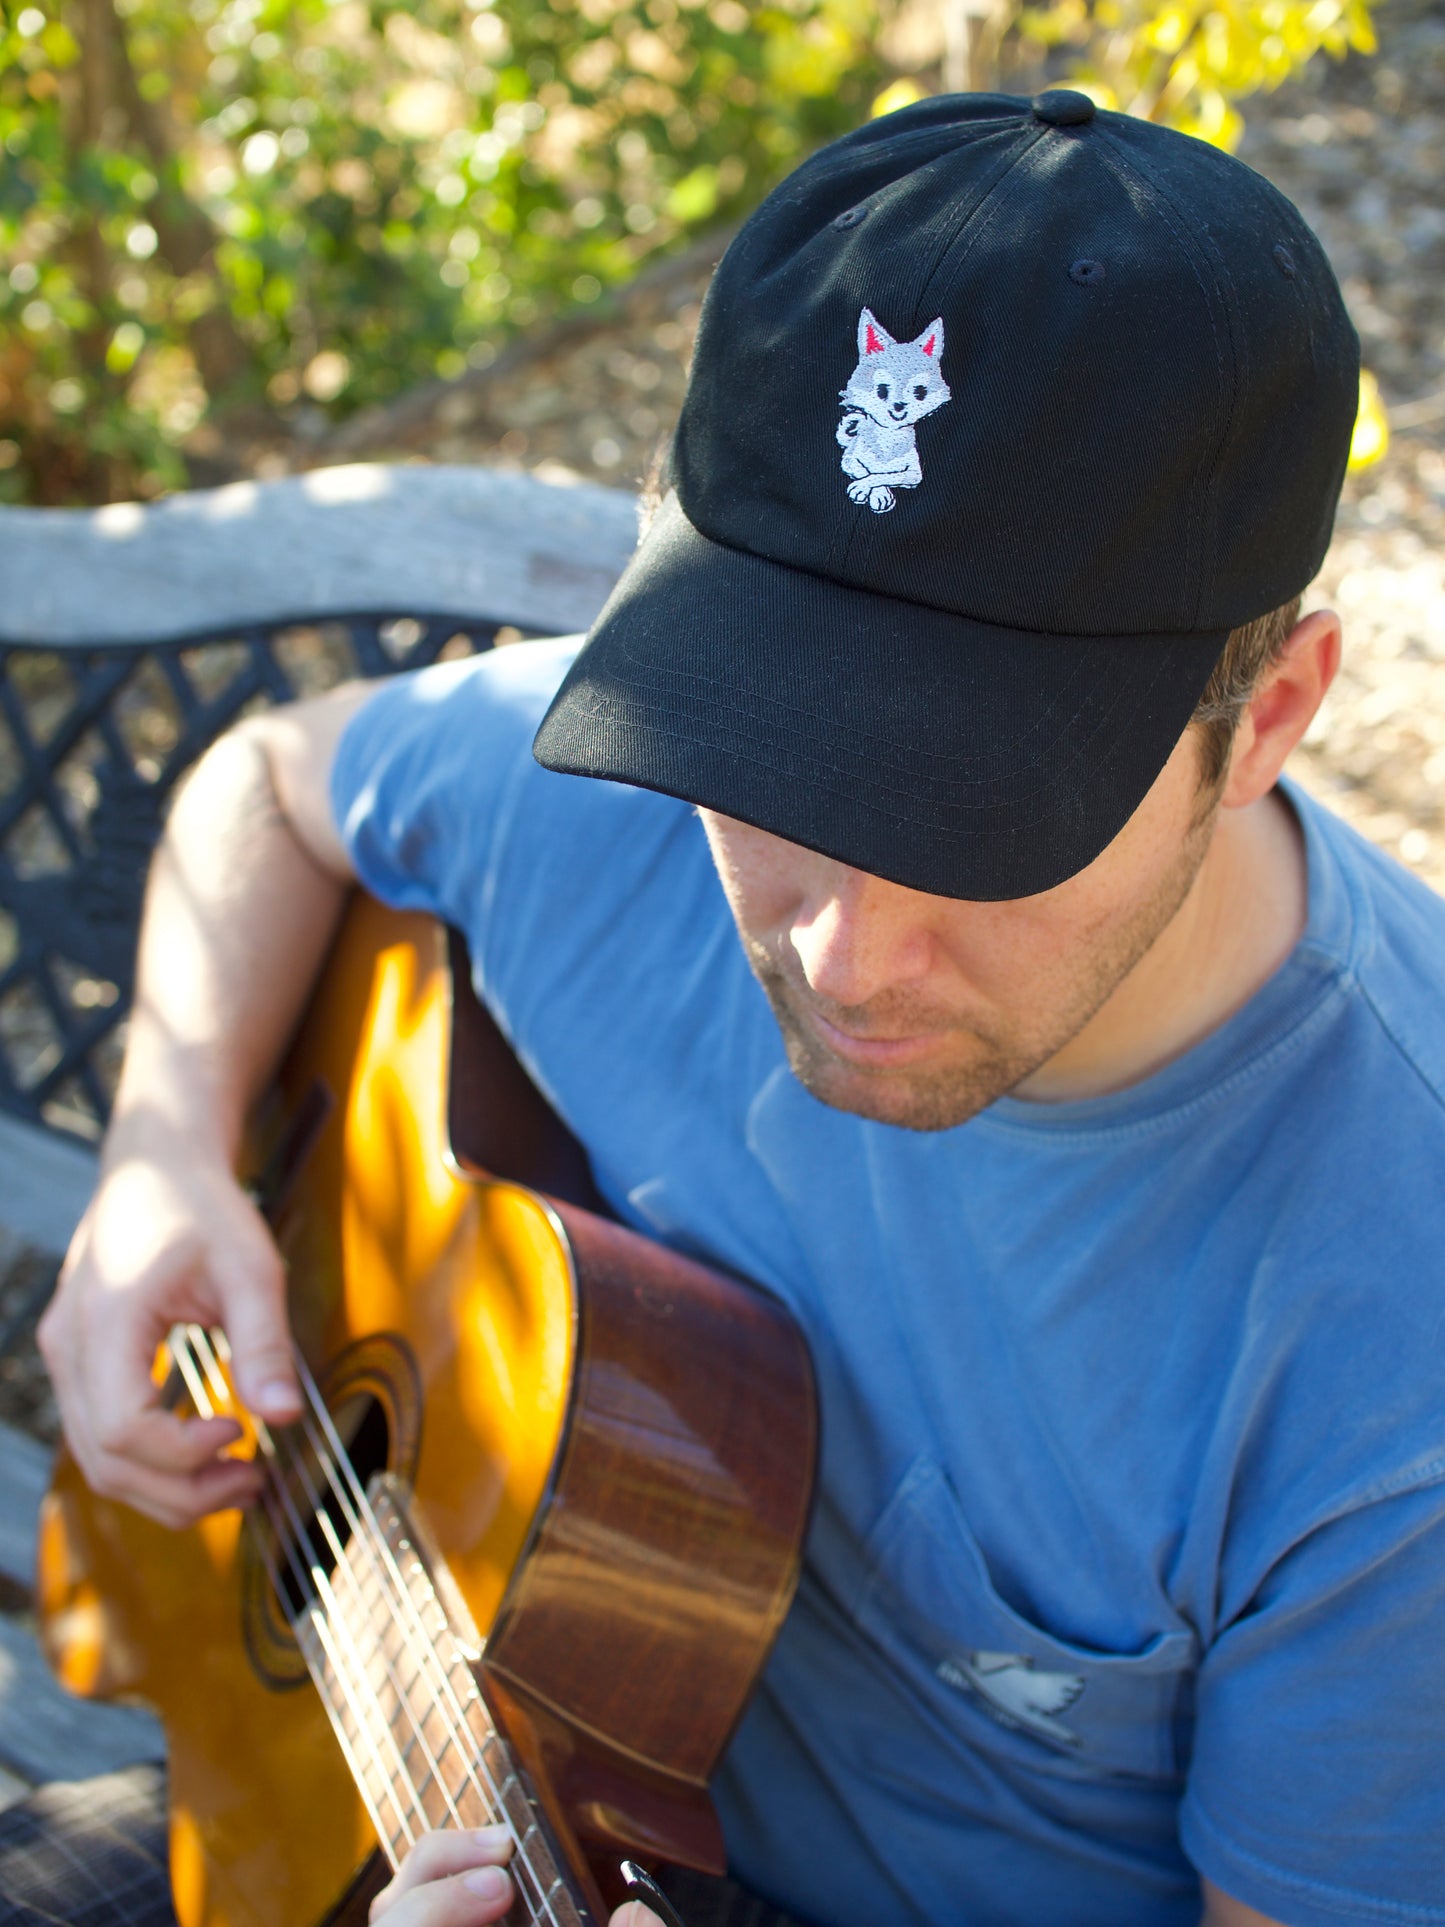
395, 1676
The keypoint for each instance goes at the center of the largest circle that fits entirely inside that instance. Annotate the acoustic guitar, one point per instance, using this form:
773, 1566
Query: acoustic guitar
524, 1554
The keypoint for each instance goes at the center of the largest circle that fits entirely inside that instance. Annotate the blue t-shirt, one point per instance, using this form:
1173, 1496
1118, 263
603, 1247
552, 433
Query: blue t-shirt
1128, 1561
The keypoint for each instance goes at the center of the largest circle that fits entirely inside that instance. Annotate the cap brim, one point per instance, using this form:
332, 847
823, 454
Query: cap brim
945, 754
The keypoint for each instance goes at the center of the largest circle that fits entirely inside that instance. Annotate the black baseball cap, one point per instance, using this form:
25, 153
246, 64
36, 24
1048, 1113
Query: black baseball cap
1003, 414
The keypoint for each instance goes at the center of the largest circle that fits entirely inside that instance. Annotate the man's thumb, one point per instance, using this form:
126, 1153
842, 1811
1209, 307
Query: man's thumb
253, 1314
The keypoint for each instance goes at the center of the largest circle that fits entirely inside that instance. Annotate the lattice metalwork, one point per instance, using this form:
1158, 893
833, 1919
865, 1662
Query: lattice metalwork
92, 743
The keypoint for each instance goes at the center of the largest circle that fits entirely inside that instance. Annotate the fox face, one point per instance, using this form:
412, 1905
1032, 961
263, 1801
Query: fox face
896, 382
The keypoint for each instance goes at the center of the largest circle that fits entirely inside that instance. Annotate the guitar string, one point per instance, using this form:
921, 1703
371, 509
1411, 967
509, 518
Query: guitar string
364, 1522
522, 1862
494, 1797
363, 1510
355, 1693
189, 1356
383, 1830
369, 1529
297, 1536
401, 1693
333, 1713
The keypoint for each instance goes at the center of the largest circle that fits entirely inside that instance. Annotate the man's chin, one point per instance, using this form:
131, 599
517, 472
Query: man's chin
915, 1098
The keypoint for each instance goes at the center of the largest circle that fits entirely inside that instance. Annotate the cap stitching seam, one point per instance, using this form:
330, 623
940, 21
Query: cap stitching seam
932, 608
986, 207
982, 206
864, 741
867, 740
649, 675
1239, 346
1174, 219
846, 789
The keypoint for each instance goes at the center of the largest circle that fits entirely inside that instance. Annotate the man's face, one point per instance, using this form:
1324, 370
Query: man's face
919, 1010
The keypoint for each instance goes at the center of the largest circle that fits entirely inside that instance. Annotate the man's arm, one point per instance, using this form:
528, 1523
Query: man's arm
244, 894
1221, 1911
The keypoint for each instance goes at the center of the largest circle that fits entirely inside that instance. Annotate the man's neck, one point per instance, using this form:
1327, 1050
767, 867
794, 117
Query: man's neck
1244, 913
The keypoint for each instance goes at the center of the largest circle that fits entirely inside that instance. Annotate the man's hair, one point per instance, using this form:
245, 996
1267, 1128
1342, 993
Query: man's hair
1251, 649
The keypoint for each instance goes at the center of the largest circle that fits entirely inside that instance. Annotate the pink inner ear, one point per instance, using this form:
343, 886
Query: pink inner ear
928, 345
873, 346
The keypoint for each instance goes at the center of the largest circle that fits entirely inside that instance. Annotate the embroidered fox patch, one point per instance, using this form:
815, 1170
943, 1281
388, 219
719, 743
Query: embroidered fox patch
895, 384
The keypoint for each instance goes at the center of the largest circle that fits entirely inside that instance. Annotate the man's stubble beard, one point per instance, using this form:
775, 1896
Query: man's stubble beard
938, 1097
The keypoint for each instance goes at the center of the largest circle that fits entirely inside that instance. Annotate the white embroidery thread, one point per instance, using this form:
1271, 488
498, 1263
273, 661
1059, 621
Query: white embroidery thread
895, 384
1016, 1692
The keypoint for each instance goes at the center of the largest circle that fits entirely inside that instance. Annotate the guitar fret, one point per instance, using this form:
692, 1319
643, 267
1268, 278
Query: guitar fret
411, 1722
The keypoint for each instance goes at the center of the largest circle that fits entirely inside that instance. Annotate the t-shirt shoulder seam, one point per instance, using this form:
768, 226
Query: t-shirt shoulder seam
1435, 1086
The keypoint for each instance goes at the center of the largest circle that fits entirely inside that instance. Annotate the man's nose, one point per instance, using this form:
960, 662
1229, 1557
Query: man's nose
856, 935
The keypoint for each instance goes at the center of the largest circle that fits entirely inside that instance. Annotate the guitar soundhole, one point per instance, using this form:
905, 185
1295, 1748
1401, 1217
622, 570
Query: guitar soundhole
315, 1503
327, 1528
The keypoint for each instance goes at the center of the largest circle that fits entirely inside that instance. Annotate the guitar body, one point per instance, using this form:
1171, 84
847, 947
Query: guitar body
606, 1451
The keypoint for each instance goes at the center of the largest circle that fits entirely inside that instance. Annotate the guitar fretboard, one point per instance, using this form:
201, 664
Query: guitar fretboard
421, 1744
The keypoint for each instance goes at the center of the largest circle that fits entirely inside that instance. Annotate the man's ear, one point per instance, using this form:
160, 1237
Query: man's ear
1282, 708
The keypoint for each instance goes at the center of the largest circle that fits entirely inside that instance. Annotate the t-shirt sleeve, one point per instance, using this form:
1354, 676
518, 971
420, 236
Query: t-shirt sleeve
1317, 1786
423, 773
444, 810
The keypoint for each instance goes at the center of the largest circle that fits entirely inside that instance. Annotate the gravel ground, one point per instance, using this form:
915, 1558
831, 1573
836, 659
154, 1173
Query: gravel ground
1361, 149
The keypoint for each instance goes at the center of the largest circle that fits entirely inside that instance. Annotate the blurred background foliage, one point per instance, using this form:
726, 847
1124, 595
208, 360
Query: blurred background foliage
227, 219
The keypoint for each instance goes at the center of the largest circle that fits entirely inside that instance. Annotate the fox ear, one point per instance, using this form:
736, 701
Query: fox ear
873, 337
931, 340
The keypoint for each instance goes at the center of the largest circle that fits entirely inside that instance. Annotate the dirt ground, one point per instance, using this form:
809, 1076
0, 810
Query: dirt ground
1360, 147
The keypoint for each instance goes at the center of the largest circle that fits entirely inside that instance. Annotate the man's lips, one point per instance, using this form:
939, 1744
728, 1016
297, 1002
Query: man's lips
874, 1053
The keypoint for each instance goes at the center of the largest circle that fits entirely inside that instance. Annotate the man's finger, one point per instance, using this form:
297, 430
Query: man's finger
447, 1870
251, 1289
166, 1442
632, 1913
465, 1900
450, 1850
172, 1500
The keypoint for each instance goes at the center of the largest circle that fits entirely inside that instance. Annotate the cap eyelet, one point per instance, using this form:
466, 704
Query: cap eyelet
850, 217
1284, 261
1086, 273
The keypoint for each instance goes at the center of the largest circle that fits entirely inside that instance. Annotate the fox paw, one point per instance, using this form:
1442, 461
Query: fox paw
878, 498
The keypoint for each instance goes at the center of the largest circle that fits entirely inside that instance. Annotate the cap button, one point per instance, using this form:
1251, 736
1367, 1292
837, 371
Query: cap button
1062, 107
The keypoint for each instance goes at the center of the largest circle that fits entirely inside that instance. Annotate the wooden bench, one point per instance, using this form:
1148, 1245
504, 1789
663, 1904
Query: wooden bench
130, 638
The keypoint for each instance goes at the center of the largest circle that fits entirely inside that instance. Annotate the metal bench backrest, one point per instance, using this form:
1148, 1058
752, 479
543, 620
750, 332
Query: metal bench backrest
131, 636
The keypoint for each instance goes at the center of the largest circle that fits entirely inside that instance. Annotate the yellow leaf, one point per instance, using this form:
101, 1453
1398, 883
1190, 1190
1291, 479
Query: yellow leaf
902, 93
1372, 428
60, 45
1099, 91
694, 197
1169, 30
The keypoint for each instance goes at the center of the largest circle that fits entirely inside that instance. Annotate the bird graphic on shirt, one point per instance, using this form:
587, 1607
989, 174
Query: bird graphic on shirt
1016, 1692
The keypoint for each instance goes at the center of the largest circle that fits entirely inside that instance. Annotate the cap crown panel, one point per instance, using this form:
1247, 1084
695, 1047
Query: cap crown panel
1108, 462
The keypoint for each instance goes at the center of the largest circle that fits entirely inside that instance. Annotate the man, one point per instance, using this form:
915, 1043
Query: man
1077, 1084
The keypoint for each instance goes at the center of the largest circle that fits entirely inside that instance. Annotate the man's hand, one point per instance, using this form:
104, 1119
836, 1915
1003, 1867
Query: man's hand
244, 894
457, 1880
169, 1237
